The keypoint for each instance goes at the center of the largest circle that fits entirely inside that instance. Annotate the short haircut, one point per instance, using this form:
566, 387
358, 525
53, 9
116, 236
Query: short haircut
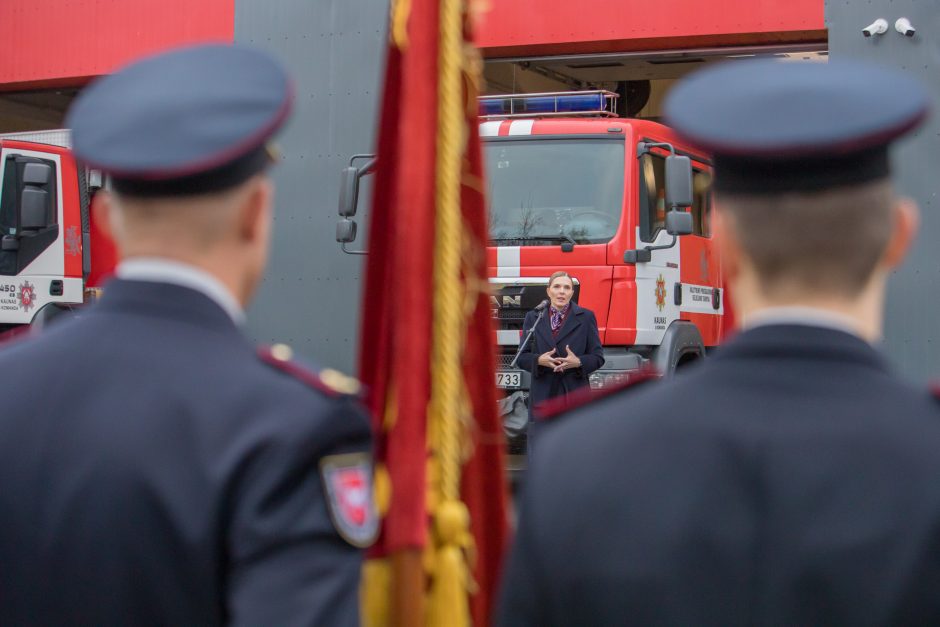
200, 220
826, 242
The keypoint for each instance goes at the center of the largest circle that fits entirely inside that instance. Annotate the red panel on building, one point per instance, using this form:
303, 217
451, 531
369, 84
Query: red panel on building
540, 27
52, 43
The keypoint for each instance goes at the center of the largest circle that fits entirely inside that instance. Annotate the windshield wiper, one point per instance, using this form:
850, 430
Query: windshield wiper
567, 242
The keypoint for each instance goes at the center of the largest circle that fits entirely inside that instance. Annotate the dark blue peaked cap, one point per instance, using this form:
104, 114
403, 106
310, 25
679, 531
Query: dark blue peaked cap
188, 121
776, 126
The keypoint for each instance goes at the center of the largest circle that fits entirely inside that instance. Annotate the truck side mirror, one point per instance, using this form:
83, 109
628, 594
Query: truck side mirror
36, 209
678, 181
349, 200
345, 231
36, 174
678, 222
348, 192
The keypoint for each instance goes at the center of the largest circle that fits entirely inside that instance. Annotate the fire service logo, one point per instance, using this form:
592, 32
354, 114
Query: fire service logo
660, 293
73, 243
26, 297
348, 483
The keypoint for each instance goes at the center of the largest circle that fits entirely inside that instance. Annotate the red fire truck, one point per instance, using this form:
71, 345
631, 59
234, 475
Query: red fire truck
618, 203
52, 257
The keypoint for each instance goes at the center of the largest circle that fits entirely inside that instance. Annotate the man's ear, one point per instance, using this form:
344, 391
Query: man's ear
255, 211
905, 220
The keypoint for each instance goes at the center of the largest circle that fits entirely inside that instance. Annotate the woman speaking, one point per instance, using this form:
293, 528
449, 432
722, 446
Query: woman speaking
564, 349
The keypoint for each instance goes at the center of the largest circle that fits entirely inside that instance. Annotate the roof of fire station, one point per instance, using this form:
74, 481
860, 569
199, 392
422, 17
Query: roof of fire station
100, 36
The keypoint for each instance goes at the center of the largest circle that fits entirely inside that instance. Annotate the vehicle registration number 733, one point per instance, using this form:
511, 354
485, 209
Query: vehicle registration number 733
509, 379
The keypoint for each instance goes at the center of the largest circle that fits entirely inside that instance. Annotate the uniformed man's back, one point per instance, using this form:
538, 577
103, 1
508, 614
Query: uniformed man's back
746, 495
130, 498
155, 468
792, 478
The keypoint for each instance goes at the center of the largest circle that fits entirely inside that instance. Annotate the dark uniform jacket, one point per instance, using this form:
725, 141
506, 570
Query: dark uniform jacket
155, 471
791, 480
579, 331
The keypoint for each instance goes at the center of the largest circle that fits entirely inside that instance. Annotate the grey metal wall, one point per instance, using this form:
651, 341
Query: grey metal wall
335, 50
912, 333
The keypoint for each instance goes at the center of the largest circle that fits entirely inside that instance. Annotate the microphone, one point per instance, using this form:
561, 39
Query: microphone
541, 309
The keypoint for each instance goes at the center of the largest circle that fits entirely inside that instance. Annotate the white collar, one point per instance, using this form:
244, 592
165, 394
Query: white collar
160, 270
805, 316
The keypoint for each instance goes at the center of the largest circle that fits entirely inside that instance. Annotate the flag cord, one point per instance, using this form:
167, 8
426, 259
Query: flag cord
448, 603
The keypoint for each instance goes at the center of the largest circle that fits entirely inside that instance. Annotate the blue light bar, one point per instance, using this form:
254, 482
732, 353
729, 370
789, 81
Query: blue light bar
574, 103
494, 107
599, 103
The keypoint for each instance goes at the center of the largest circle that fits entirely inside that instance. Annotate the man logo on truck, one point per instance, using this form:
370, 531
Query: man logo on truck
505, 301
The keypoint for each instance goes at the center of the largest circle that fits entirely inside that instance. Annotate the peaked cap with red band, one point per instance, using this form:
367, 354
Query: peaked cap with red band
190, 121
796, 126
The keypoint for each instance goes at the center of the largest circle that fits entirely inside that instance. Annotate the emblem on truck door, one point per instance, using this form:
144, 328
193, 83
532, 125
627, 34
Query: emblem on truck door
73, 243
660, 293
26, 296
703, 266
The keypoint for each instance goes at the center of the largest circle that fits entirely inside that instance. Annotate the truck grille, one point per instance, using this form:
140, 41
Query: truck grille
512, 301
511, 319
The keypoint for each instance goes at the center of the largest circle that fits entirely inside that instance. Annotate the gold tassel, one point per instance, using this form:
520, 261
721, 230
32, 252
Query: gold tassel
401, 9
373, 593
448, 604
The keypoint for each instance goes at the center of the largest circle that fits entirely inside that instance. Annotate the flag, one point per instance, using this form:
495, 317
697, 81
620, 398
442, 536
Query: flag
426, 347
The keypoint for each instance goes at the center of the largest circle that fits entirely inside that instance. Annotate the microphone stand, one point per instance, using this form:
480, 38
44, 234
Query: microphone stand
538, 319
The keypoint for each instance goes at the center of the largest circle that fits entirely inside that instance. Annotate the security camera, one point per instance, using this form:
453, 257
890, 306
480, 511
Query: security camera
903, 26
878, 27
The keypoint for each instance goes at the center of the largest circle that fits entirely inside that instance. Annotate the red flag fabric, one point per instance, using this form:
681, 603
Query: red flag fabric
484, 476
400, 309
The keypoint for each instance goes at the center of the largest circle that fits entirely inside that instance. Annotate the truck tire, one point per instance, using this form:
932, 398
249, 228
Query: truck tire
682, 344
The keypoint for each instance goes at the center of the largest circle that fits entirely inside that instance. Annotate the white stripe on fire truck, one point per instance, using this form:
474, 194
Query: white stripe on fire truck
521, 127
489, 129
508, 337
508, 261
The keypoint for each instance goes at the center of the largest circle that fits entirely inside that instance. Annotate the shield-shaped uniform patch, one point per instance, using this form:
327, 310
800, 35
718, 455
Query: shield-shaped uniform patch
347, 481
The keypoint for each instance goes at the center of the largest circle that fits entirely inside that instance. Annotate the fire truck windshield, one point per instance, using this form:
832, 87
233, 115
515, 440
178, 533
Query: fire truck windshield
542, 191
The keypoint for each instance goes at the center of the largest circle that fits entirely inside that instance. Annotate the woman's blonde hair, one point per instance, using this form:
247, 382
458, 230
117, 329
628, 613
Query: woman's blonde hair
559, 274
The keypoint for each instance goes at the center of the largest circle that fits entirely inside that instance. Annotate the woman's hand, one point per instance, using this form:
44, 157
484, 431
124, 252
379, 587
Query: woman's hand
549, 360
566, 363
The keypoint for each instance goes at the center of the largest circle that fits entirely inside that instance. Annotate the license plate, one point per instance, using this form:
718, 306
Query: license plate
510, 379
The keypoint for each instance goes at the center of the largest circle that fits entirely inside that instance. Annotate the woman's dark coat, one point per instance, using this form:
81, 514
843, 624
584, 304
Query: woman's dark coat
579, 331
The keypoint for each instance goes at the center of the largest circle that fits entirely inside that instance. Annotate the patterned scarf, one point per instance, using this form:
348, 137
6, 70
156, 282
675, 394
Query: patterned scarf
558, 317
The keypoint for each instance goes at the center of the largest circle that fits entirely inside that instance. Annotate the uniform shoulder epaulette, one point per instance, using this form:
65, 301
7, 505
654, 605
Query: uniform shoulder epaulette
552, 408
330, 382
